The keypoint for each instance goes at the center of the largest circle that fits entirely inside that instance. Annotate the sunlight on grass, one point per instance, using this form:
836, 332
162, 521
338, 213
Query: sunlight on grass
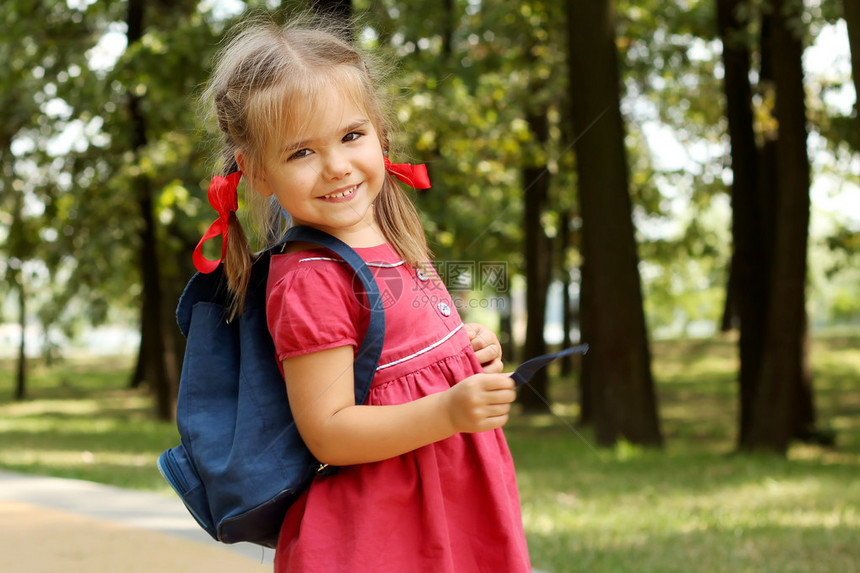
654, 527
695, 505
77, 407
78, 460
81, 421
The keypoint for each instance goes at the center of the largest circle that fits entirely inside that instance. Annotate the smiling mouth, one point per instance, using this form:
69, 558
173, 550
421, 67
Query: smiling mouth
341, 194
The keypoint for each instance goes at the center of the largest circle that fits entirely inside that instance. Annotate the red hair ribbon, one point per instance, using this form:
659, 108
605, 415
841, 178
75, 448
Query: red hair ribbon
224, 199
413, 175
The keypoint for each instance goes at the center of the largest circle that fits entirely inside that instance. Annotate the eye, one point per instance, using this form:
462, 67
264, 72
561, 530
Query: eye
301, 153
352, 136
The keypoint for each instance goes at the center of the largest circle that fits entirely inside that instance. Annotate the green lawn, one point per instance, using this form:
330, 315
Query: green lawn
81, 421
693, 506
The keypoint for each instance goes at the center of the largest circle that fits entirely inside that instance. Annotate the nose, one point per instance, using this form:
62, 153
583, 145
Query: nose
336, 165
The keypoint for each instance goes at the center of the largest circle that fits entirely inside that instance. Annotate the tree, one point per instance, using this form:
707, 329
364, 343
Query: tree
618, 366
770, 207
338, 9
156, 337
851, 13
747, 288
128, 196
536, 187
42, 42
783, 405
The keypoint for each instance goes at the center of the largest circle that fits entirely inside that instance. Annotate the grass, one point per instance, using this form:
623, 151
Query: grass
696, 505
81, 421
693, 506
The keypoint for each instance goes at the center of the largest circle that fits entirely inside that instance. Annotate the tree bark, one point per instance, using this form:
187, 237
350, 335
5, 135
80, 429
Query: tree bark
506, 331
588, 377
777, 408
538, 262
336, 9
450, 24
851, 13
566, 366
619, 361
21, 372
748, 285
155, 336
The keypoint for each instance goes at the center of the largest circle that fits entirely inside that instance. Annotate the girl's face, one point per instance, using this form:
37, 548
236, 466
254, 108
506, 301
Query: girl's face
328, 175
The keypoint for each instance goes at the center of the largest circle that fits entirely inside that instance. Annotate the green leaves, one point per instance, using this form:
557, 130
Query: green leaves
468, 76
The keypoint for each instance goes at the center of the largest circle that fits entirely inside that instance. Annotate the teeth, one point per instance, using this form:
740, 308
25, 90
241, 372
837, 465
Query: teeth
342, 193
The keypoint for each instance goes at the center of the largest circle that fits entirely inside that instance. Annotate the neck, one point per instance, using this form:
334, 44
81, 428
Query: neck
365, 234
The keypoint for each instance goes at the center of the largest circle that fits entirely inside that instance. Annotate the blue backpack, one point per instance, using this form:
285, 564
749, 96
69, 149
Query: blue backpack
241, 463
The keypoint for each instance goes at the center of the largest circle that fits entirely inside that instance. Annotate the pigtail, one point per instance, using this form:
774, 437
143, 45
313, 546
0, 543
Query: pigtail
399, 221
237, 265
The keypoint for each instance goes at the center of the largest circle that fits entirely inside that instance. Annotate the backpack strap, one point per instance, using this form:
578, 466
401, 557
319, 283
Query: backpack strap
367, 359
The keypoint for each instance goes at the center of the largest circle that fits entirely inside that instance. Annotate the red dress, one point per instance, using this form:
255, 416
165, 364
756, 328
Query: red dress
451, 506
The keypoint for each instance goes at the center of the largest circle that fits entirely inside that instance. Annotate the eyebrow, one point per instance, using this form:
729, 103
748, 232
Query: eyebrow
357, 124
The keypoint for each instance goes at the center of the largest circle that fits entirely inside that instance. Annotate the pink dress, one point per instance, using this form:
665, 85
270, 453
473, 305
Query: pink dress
451, 506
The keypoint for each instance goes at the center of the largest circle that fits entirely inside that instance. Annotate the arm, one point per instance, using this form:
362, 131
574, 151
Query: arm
487, 347
339, 432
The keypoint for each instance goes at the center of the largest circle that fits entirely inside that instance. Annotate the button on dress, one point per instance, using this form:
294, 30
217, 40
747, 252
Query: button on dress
451, 506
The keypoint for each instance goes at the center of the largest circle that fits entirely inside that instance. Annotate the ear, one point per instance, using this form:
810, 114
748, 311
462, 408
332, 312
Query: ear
253, 175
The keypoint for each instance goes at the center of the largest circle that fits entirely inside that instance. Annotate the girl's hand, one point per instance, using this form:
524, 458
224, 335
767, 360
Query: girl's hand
487, 347
480, 402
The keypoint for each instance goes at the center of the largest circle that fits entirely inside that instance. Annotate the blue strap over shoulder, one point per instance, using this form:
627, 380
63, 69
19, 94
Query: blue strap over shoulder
368, 355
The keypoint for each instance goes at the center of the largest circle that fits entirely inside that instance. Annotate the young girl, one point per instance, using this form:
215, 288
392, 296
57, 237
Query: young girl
425, 479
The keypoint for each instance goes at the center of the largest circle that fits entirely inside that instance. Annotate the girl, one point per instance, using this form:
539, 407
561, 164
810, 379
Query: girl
426, 481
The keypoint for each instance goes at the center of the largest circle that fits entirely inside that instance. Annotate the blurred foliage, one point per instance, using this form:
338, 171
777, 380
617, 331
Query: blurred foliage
463, 88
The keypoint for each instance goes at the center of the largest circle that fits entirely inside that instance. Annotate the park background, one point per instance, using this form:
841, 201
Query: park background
673, 182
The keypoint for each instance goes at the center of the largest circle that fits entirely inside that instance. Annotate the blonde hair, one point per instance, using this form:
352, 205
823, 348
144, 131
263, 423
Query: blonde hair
268, 76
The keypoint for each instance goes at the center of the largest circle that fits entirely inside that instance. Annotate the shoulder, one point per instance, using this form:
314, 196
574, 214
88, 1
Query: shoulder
311, 303
316, 273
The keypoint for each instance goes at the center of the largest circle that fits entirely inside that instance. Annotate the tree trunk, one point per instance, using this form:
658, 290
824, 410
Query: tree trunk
155, 336
138, 377
619, 361
566, 365
538, 262
506, 331
777, 408
851, 13
748, 285
588, 378
450, 26
21, 374
336, 9
731, 314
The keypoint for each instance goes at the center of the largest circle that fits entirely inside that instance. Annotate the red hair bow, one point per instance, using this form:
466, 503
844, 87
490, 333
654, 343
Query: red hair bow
225, 200
413, 175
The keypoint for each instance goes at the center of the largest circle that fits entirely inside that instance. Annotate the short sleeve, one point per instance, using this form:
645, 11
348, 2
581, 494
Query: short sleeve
311, 307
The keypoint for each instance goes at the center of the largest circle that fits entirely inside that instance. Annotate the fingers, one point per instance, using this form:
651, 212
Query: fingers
499, 392
494, 367
488, 352
481, 402
487, 348
493, 382
481, 336
502, 397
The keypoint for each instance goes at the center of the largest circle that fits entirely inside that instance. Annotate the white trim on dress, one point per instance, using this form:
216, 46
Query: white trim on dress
422, 351
380, 265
